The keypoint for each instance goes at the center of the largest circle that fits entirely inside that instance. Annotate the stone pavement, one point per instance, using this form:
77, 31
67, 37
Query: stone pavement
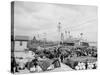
62, 68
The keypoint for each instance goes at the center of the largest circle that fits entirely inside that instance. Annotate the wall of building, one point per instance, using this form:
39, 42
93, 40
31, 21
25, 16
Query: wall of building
20, 45
93, 44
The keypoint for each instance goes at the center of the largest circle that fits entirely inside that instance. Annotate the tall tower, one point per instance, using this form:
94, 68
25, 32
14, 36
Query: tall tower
59, 27
65, 34
81, 35
62, 37
59, 30
69, 34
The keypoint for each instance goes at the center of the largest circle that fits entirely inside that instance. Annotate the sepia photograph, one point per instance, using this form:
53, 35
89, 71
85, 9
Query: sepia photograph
53, 37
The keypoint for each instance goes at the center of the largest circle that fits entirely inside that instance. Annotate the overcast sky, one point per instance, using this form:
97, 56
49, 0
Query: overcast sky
31, 18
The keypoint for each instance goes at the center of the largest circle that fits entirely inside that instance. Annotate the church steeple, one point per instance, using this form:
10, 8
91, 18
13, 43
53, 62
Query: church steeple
34, 38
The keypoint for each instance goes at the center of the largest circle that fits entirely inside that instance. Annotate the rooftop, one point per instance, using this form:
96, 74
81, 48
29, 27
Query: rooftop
21, 38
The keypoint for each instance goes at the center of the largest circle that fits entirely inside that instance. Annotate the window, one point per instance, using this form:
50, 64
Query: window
20, 43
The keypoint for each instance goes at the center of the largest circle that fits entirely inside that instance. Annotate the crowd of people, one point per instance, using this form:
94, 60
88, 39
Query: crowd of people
45, 59
83, 66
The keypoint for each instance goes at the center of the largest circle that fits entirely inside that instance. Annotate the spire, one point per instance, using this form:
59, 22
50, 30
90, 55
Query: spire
34, 38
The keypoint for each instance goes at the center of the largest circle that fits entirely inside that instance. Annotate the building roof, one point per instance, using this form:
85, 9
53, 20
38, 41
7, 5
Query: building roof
21, 38
73, 40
